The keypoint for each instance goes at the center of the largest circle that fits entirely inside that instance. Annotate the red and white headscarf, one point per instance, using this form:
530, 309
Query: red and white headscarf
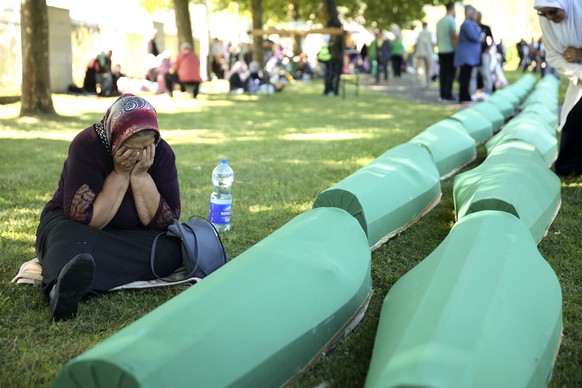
128, 114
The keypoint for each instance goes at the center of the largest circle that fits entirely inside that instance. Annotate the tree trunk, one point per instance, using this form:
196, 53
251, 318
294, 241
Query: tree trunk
36, 97
294, 16
331, 14
325, 12
257, 10
183, 24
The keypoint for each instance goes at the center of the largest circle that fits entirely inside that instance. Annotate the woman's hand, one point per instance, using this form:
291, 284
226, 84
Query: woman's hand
145, 160
124, 160
145, 193
573, 55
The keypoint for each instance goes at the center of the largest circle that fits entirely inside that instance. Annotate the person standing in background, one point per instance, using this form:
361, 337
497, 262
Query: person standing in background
383, 55
484, 79
336, 50
397, 55
423, 52
373, 56
152, 45
446, 30
468, 54
323, 57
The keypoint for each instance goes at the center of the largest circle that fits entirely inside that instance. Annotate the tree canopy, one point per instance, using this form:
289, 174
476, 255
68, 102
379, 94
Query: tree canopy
371, 13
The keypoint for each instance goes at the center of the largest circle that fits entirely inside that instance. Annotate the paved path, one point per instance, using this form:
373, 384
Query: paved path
405, 87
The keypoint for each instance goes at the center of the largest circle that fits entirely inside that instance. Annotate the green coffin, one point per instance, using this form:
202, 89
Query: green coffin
535, 133
510, 94
523, 86
256, 322
483, 310
450, 145
540, 96
536, 121
491, 113
513, 178
389, 194
476, 125
527, 79
541, 112
519, 90
501, 101
548, 82
546, 93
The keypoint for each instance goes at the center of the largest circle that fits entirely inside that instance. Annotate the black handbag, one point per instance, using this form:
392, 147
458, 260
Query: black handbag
202, 248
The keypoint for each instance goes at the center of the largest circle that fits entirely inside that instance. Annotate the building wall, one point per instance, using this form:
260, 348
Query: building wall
60, 53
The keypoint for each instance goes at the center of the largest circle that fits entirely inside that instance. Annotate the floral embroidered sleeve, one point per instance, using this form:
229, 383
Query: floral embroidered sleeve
82, 205
82, 177
164, 216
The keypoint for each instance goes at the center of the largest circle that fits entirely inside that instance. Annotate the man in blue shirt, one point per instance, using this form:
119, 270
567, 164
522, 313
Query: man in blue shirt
468, 54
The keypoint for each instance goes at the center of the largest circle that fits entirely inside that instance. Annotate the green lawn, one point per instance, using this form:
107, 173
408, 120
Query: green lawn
285, 149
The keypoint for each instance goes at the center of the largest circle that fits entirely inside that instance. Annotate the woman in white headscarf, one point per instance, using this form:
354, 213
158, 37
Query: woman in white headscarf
561, 24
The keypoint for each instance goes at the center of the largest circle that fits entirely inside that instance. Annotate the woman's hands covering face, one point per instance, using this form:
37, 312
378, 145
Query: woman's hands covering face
125, 159
134, 161
145, 160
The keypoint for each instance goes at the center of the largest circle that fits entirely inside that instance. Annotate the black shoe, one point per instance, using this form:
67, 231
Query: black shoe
72, 284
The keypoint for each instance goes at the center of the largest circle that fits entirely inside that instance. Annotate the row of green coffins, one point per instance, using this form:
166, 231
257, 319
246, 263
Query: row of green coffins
485, 308
266, 316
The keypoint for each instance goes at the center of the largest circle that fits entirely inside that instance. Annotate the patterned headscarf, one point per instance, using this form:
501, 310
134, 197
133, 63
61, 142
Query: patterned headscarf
128, 114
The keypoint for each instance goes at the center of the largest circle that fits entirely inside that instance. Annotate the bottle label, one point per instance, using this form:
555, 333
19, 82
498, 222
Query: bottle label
220, 212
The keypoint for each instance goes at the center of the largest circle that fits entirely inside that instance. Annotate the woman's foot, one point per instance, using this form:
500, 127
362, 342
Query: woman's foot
72, 284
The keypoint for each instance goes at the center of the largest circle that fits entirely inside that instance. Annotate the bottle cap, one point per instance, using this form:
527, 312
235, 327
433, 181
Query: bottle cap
223, 161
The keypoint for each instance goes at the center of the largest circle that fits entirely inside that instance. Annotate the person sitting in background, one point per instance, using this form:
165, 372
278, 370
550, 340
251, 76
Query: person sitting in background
157, 73
116, 74
104, 77
98, 78
255, 79
303, 68
237, 76
184, 71
118, 189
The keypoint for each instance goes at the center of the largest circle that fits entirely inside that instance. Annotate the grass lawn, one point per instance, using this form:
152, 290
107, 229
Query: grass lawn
285, 149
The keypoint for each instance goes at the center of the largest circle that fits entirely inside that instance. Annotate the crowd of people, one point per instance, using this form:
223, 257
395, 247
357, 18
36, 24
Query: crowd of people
469, 54
233, 63
533, 56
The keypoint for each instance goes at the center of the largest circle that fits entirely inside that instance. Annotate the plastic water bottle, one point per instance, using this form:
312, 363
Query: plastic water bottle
220, 199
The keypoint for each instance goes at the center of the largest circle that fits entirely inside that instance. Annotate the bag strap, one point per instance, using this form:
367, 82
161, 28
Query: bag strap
188, 249
153, 257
